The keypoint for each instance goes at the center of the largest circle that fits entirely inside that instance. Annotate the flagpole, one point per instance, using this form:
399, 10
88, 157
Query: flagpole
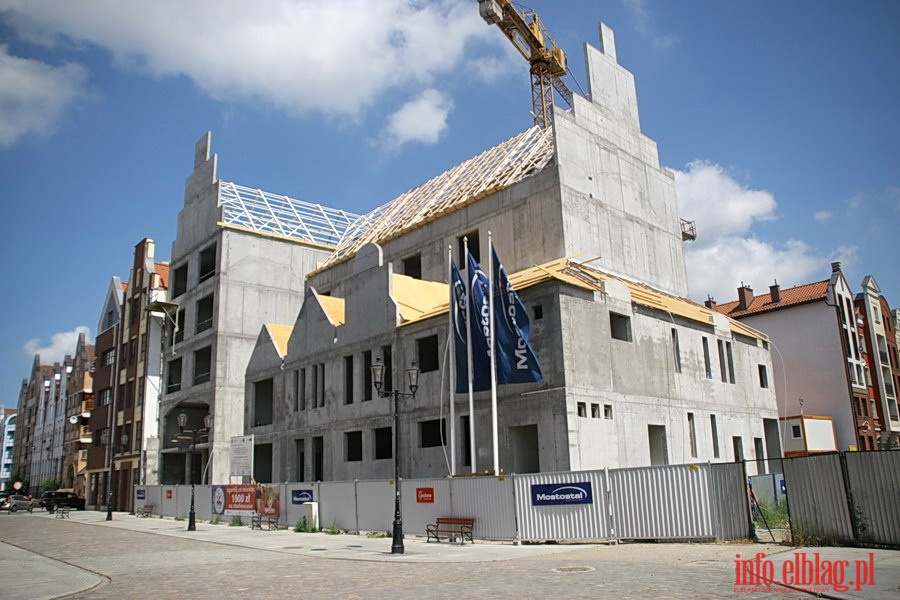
469, 358
493, 355
452, 378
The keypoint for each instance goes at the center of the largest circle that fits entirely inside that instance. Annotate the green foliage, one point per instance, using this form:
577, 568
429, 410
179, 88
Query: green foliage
216, 521
50, 485
378, 534
179, 518
776, 515
333, 530
235, 522
303, 526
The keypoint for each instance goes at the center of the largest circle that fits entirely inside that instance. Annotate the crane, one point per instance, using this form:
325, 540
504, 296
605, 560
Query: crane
548, 61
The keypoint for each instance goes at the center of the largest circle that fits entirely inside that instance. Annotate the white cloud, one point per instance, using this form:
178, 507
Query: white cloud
726, 252
60, 344
34, 95
644, 26
823, 215
301, 56
422, 119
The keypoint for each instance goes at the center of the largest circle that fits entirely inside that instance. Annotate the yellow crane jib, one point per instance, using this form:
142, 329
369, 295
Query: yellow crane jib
548, 61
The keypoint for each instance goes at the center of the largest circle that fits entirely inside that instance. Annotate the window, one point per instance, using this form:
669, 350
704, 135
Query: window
178, 330
319, 384
109, 358
300, 469
202, 365
706, 361
582, 409
412, 266
729, 354
384, 443
179, 281
595, 411
263, 392
538, 311
692, 434
473, 247
676, 350
301, 390
105, 396
295, 389
722, 368
204, 314
714, 429
796, 432
738, 446
173, 381
207, 263
353, 446
348, 379
607, 411
427, 353
763, 376
620, 327
367, 375
431, 433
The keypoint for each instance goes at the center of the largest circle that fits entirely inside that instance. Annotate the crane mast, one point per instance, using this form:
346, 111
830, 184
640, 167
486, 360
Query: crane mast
548, 61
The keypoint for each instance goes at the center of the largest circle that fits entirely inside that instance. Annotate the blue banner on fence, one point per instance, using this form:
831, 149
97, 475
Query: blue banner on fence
544, 494
301, 496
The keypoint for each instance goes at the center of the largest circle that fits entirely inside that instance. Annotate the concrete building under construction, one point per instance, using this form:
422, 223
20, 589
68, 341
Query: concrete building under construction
586, 222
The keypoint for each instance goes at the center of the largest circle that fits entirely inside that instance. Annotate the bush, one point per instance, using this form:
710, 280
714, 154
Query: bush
303, 526
775, 515
236, 522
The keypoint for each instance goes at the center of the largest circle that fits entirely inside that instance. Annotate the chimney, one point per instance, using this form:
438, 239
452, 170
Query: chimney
710, 303
745, 297
775, 292
835, 267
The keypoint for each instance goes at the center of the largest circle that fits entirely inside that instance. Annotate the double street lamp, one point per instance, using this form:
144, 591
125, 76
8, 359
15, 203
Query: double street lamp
194, 436
412, 375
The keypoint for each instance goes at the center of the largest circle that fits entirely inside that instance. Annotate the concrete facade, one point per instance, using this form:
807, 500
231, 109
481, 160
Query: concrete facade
648, 396
226, 281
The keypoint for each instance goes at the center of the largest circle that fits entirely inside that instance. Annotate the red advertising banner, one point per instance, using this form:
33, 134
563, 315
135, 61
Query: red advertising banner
268, 500
425, 495
234, 500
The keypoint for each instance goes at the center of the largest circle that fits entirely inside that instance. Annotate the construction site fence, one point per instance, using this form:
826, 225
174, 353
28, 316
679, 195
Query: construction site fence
836, 497
703, 502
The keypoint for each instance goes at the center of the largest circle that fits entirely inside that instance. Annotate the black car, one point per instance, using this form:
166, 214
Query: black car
52, 500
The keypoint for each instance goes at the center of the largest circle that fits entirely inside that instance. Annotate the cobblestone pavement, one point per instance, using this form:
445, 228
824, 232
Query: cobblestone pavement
86, 557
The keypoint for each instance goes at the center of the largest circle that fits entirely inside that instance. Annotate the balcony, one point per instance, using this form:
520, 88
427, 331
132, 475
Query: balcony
688, 230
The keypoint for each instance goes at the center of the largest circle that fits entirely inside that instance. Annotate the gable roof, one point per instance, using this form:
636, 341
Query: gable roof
491, 171
280, 335
162, 269
793, 296
334, 308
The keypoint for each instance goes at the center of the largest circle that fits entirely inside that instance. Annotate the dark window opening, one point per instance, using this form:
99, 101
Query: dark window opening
353, 446
348, 379
173, 379
207, 263
367, 375
263, 392
620, 327
204, 314
202, 365
179, 281
384, 443
412, 266
474, 247
763, 377
427, 353
538, 311
431, 433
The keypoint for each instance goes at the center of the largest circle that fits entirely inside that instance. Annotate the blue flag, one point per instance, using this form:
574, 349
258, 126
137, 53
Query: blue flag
460, 331
480, 325
516, 360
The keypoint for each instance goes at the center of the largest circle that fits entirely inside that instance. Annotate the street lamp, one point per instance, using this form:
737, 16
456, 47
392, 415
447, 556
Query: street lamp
194, 435
412, 375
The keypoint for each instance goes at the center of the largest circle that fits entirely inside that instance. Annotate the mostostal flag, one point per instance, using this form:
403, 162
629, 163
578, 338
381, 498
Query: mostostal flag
460, 331
516, 361
480, 325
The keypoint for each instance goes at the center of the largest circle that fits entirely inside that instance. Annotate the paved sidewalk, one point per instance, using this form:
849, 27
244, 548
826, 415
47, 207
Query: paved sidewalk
86, 556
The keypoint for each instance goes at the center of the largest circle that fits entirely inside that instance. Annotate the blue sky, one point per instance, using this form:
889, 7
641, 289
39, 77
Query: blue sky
780, 120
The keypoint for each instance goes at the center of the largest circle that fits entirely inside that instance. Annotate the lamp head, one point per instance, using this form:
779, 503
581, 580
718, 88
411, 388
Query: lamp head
378, 374
412, 376
182, 420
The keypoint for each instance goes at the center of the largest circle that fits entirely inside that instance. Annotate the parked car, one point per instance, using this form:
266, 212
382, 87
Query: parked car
52, 500
16, 502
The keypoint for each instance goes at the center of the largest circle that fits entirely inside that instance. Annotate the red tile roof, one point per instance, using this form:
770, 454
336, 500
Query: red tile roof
800, 294
162, 269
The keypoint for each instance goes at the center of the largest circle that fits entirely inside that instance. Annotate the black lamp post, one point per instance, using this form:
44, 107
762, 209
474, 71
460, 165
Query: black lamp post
412, 375
194, 435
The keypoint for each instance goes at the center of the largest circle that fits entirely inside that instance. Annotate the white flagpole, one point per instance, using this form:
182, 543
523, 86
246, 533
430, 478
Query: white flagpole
493, 355
469, 356
452, 389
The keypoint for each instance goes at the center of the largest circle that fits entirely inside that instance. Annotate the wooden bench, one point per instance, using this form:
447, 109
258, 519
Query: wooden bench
62, 512
145, 511
270, 522
461, 526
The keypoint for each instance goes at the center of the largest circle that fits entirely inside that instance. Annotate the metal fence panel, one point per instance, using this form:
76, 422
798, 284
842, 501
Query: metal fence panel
817, 501
875, 487
729, 501
337, 505
670, 502
375, 504
562, 521
490, 501
423, 500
